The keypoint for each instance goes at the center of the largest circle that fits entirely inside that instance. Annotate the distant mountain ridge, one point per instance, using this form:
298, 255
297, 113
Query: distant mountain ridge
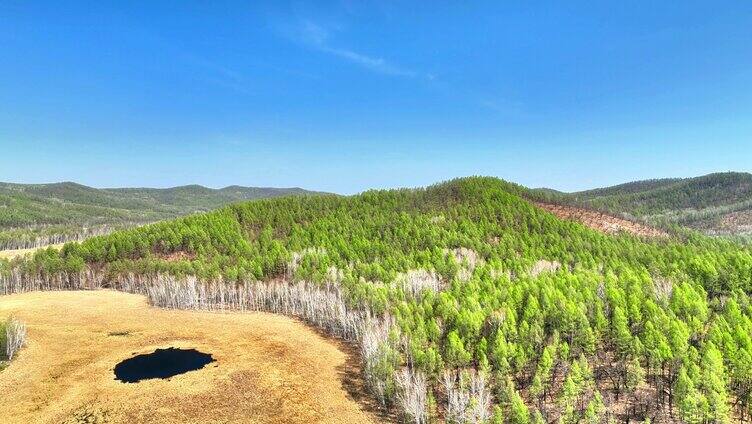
38, 214
718, 203
73, 203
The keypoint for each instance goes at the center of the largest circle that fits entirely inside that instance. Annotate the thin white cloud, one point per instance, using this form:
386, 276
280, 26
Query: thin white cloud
314, 34
317, 36
373, 63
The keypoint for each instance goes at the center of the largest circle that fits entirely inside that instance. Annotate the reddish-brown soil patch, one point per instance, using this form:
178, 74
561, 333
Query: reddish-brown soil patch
177, 256
736, 222
600, 221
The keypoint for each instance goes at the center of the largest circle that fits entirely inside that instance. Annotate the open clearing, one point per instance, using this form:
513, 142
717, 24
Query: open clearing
13, 253
268, 369
600, 221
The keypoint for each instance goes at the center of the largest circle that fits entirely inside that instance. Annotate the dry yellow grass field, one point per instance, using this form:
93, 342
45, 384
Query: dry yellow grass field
268, 369
10, 254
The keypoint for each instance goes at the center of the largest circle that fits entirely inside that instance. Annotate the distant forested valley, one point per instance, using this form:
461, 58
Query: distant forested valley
33, 215
715, 204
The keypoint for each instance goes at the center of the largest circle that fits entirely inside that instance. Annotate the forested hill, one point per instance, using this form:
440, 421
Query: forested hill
47, 210
467, 301
716, 203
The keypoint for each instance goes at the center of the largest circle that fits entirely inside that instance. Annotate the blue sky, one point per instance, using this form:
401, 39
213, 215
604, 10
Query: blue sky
346, 96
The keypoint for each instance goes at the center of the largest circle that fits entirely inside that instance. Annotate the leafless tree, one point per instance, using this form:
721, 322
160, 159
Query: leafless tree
480, 408
15, 333
415, 281
468, 397
544, 266
468, 260
375, 349
457, 398
18, 281
34, 242
413, 394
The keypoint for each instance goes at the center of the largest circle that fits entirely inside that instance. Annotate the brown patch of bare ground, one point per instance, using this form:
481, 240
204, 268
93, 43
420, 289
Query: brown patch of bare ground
600, 221
268, 369
735, 222
177, 256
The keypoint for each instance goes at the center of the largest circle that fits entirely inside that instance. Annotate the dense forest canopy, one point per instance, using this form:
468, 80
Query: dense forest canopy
657, 196
558, 321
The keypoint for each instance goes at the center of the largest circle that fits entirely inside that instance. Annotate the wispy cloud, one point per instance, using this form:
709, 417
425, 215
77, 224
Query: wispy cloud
375, 64
318, 37
324, 38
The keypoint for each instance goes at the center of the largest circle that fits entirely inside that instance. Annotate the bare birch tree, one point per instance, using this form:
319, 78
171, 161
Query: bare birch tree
15, 336
413, 394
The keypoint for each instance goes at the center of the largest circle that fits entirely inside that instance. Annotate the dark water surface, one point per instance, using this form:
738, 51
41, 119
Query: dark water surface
162, 363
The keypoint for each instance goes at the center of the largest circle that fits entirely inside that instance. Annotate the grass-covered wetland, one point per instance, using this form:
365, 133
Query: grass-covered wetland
267, 368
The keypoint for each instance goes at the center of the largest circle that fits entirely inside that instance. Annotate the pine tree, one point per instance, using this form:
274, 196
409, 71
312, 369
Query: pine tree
518, 411
689, 400
635, 374
594, 410
713, 384
537, 417
622, 335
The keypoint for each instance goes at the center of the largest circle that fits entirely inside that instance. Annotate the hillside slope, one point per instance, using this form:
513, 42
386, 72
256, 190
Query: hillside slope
55, 212
716, 203
601, 221
462, 290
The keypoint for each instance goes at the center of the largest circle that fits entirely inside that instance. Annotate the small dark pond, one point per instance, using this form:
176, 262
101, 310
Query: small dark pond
162, 363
